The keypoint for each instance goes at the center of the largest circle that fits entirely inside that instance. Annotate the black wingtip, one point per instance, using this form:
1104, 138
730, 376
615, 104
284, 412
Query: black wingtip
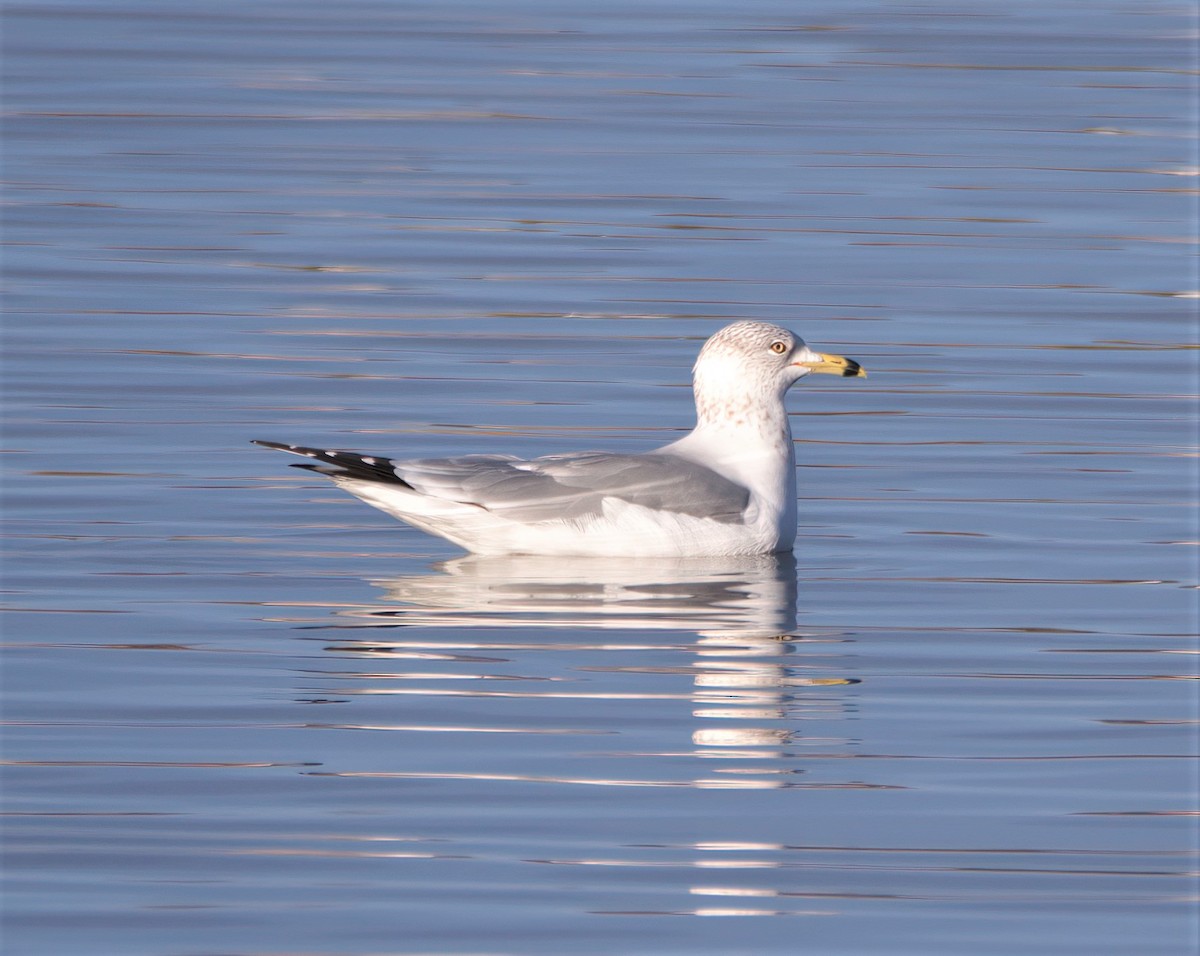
341, 464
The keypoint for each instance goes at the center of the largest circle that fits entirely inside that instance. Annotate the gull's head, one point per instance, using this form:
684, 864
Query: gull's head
744, 370
765, 358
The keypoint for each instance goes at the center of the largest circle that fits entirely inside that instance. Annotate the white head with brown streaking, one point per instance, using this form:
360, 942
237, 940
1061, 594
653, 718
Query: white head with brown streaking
743, 371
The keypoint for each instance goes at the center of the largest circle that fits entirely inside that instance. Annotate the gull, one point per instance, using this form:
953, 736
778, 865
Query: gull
726, 488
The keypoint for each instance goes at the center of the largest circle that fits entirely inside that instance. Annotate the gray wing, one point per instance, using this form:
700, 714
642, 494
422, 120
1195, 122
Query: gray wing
574, 486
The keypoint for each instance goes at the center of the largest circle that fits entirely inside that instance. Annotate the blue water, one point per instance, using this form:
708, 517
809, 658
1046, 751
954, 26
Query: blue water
245, 714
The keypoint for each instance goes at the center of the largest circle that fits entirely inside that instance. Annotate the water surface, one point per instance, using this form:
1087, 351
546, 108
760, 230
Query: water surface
245, 714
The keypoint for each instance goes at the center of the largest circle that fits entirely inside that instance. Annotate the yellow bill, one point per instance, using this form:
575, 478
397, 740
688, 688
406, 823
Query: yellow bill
835, 365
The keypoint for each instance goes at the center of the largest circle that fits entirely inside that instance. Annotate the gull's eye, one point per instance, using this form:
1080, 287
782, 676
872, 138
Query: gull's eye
779, 347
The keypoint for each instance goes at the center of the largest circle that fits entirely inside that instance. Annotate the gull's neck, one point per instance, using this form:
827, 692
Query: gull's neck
751, 419
747, 408
745, 439
742, 431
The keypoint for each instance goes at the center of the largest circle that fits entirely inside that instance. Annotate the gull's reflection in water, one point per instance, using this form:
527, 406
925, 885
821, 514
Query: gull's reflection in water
747, 596
750, 690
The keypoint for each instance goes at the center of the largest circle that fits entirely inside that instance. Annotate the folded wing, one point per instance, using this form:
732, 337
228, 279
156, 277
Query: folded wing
575, 486
570, 487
